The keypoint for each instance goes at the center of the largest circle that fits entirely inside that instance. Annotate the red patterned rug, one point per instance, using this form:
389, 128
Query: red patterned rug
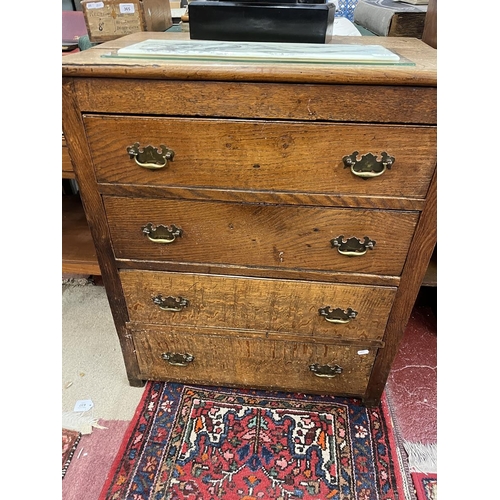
70, 440
425, 485
206, 443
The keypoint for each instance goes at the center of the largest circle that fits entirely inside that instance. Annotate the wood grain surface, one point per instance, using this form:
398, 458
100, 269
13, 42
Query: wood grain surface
270, 100
263, 155
266, 305
422, 70
222, 358
257, 235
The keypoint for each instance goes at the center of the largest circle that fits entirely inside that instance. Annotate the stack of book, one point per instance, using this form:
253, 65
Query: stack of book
392, 17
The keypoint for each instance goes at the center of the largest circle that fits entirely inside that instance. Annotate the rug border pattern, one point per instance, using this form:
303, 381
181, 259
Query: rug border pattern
151, 398
69, 457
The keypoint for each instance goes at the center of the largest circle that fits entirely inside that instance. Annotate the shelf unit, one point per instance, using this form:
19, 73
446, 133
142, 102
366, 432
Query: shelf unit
430, 278
78, 251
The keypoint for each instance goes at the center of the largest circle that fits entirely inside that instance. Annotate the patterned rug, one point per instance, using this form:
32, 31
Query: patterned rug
206, 443
425, 485
70, 440
422, 465
421, 460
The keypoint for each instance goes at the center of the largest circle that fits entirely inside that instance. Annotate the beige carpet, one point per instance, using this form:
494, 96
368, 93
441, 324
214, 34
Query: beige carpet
92, 363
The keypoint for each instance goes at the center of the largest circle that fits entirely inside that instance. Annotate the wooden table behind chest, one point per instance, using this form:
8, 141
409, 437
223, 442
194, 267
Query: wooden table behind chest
258, 226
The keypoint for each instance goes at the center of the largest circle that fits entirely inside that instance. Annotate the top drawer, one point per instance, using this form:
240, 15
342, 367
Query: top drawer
295, 157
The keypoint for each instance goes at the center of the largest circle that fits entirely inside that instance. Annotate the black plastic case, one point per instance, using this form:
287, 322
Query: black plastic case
285, 21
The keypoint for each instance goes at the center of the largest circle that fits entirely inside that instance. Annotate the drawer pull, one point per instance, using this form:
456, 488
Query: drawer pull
327, 371
176, 359
353, 246
161, 234
151, 157
337, 315
368, 166
174, 304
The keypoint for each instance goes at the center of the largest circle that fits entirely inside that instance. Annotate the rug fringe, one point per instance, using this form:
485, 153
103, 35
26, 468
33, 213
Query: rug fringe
421, 457
401, 452
80, 422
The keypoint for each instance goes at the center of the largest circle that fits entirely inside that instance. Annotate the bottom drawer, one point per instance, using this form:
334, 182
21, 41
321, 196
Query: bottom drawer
230, 359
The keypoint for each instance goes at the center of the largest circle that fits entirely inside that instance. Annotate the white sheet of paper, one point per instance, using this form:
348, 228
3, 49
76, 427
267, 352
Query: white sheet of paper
83, 405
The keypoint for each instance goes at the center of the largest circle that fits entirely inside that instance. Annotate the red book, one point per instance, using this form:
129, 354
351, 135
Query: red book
73, 27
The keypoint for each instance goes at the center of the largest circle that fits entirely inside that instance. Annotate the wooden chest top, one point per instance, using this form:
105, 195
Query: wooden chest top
91, 63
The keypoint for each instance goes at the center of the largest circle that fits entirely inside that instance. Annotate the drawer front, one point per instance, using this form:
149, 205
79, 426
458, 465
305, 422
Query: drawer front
349, 312
258, 155
284, 237
251, 362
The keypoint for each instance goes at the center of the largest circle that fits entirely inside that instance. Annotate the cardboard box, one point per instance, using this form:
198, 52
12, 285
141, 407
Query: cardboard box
111, 19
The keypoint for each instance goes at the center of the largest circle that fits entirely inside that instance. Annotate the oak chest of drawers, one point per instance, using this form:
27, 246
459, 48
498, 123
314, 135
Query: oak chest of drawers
262, 226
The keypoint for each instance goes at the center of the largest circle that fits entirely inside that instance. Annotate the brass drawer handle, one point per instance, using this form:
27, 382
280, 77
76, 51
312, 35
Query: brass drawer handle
174, 304
177, 359
161, 233
352, 247
151, 157
338, 315
368, 166
327, 371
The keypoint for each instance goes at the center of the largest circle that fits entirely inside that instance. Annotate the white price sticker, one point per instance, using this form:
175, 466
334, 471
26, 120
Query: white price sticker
83, 405
127, 8
363, 351
95, 5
